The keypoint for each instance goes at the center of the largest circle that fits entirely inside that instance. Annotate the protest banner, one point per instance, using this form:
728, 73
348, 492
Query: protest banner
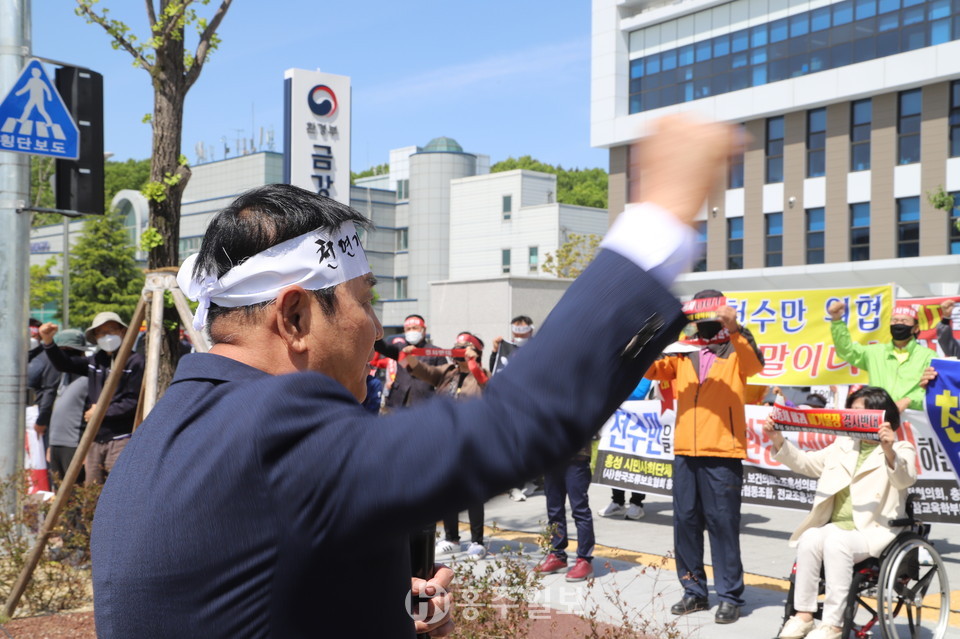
703, 309
792, 330
929, 315
438, 352
635, 452
859, 424
504, 353
943, 408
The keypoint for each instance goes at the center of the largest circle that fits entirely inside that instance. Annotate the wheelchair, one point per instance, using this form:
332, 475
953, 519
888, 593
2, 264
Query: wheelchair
904, 593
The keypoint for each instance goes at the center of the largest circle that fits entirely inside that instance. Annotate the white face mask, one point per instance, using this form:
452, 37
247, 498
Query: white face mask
413, 337
34, 342
109, 343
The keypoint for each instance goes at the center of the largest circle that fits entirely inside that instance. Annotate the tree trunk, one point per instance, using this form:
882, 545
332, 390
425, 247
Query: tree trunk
169, 94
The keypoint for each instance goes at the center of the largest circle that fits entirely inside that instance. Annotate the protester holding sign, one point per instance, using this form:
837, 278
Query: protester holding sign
521, 330
404, 389
896, 366
861, 486
948, 343
710, 445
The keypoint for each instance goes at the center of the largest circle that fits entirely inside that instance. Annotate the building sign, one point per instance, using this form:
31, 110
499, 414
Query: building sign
316, 147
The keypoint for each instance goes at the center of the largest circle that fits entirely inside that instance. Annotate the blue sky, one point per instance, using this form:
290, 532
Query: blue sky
503, 77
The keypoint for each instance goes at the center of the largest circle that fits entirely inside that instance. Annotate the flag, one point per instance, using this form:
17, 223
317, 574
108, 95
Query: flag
943, 408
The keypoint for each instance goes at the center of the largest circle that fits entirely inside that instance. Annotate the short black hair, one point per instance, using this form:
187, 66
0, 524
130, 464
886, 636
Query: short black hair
875, 398
261, 218
522, 319
816, 400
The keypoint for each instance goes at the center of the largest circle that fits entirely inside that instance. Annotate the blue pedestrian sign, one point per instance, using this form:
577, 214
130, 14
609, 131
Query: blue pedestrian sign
34, 119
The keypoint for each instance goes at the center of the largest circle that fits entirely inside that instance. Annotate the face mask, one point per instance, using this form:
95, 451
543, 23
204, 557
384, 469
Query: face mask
34, 342
708, 330
901, 332
520, 341
109, 343
413, 337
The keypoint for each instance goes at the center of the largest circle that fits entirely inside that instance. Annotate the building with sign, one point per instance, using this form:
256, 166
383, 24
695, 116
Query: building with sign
853, 112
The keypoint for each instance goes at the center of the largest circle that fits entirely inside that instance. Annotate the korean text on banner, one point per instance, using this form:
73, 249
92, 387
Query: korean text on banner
943, 408
929, 315
792, 329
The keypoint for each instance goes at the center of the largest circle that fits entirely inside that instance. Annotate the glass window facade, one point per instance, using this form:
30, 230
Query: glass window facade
735, 172
861, 123
773, 245
507, 206
955, 119
909, 105
860, 232
953, 233
505, 261
826, 38
815, 235
701, 264
400, 288
774, 150
735, 243
816, 142
533, 257
908, 227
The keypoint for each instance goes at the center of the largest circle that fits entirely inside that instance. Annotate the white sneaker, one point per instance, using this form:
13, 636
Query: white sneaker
635, 511
444, 547
795, 628
476, 551
824, 632
614, 510
517, 495
529, 489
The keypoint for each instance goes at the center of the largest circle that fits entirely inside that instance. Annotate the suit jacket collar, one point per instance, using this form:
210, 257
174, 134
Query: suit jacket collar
216, 368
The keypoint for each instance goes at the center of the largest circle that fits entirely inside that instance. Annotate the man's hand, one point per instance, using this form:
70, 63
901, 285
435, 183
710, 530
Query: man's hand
40, 429
441, 603
903, 404
496, 343
836, 310
946, 309
680, 164
928, 376
47, 331
728, 318
87, 415
408, 349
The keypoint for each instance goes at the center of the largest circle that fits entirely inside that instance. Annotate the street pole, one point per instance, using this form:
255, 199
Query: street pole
65, 272
14, 246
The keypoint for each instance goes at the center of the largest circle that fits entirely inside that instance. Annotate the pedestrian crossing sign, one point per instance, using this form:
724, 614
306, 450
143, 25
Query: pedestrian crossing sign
34, 119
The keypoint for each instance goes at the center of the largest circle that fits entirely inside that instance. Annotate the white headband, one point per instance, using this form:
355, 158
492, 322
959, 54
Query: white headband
314, 260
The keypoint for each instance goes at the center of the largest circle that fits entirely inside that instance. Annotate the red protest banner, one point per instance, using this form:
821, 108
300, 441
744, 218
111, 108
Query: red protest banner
439, 352
860, 424
702, 309
928, 316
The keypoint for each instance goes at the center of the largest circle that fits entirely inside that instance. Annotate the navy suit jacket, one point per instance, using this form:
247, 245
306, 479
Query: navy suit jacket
251, 505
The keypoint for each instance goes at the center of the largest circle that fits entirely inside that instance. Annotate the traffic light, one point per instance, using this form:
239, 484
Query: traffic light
79, 184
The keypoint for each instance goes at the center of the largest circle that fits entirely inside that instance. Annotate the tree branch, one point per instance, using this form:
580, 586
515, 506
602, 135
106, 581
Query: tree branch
203, 47
118, 38
171, 21
151, 14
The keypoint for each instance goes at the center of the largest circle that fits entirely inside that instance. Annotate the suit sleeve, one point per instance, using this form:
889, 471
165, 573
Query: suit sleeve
948, 343
805, 462
904, 471
848, 350
535, 414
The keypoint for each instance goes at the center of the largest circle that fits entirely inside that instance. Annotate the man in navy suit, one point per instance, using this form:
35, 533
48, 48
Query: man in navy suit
258, 499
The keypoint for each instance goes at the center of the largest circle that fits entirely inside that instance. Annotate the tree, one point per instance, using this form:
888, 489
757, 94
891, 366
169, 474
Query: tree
380, 169
582, 187
117, 176
573, 255
173, 70
103, 271
43, 287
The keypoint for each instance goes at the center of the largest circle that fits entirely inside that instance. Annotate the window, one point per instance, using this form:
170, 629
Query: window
773, 246
908, 127
953, 232
403, 189
534, 258
403, 239
859, 232
735, 172
400, 288
507, 206
774, 150
815, 236
816, 142
701, 264
908, 227
189, 246
735, 243
955, 118
505, 260
861, 121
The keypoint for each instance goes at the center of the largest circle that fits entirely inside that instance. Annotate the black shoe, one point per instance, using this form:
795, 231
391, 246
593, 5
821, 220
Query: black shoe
688, 604
727, 612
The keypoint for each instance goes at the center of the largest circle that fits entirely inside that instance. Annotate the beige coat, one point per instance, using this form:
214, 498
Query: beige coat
878, 492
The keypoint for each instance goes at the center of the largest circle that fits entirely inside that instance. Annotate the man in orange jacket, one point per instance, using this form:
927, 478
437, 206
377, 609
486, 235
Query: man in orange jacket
709, 448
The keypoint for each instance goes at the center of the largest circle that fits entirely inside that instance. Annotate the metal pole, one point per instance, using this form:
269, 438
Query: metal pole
65, 280
14, 247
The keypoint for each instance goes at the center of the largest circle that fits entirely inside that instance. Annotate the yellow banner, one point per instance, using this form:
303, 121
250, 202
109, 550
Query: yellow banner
792, 329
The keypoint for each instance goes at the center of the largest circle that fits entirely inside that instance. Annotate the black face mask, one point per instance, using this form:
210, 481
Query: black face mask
901, 332
708, 330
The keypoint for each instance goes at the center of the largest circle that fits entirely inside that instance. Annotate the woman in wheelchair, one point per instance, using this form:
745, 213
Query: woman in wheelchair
861, 486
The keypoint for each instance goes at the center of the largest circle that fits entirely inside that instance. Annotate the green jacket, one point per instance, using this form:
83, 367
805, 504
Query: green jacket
900, 380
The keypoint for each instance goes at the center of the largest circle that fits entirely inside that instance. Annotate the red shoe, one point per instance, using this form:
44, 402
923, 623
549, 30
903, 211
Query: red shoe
581, 570
550, 564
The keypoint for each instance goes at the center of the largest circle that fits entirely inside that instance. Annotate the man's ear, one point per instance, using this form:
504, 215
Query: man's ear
293, 317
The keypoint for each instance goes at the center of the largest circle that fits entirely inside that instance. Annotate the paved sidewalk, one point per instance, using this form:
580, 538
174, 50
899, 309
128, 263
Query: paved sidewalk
626, 550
